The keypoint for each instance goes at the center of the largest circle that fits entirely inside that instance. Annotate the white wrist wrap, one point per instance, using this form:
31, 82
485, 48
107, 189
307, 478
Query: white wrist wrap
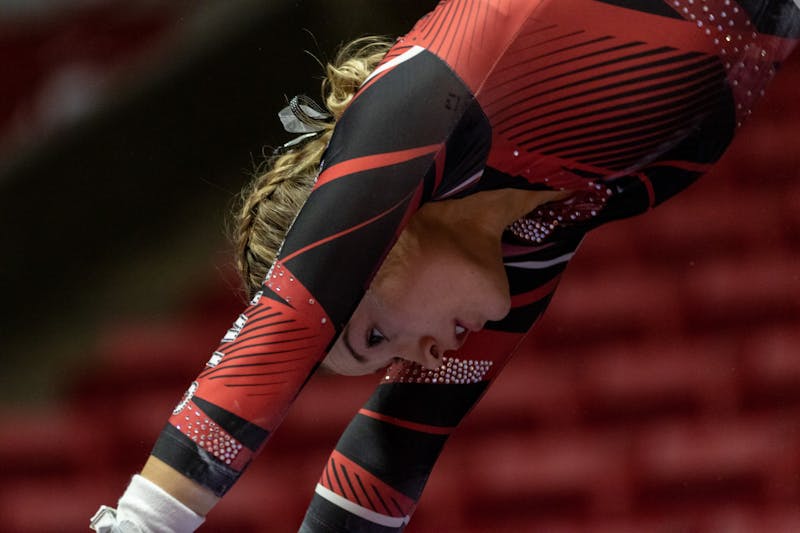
152, 510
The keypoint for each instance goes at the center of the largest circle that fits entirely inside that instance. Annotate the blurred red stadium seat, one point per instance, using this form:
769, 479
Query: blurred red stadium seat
540, 476
771, 366
752, 291
637, 382
744, 460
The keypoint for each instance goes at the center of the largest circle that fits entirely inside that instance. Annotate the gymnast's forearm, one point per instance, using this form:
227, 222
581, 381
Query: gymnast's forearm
196, 497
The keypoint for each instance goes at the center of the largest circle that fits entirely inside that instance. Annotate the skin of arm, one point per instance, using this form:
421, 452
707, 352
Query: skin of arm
193, 495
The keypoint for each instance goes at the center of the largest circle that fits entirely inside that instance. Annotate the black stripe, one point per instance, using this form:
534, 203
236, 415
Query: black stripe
616, 159
526, 58
613, 85
524, 280
635, 105
380, 498
637, 144
181, 453
452, 35
248, 434
425, 80
665, 108
619, 125
223, 366
397, 505
552, 65
258, 310
467, 147
412, 453
604, 75
472, 37
778, 17
530, 73
243, 337
364, 490
646, 6
247, 332
575, 46
644, 129
485, 18
336, 476
439, 19
272, 295
283, 341
277, 372
551, 250
234, 385
521, 319
272, 352
349, 484
702, 80
445, 31
339, 290
328, 474
434, 405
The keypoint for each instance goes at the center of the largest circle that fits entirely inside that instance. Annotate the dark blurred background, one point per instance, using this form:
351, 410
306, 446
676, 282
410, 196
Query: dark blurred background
660, 393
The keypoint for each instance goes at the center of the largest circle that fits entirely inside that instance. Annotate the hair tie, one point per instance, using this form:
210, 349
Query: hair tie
303, 115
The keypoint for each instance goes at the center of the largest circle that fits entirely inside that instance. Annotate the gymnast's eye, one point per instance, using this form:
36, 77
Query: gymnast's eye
374, 337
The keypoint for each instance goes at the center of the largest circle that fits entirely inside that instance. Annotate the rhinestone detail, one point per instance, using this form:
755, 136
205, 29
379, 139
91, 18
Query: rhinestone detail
453, 371
209, 436
539, 224
748, 57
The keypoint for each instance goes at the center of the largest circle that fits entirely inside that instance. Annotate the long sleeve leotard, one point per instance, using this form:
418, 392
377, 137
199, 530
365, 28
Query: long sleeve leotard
623, 102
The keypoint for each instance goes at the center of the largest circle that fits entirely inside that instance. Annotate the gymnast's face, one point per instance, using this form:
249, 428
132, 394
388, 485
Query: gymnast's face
436, 285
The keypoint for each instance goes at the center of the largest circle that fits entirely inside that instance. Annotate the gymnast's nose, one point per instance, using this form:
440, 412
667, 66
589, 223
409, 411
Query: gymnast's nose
427, 352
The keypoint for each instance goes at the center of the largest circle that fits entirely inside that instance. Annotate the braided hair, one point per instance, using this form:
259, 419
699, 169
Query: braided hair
269, 203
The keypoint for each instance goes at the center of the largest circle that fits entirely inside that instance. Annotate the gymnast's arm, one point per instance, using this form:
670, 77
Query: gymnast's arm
374, 175
411, 414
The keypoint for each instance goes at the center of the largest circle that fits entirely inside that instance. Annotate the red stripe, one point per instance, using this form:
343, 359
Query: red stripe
651, 194
521, 300
360, 164
415, 426
345, 232
441, 158
388, 494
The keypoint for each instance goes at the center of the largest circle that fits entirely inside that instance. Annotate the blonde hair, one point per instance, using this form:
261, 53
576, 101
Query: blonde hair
269, 203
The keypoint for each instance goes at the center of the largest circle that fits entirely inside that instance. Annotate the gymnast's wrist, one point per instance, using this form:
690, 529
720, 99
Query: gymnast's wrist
146, 508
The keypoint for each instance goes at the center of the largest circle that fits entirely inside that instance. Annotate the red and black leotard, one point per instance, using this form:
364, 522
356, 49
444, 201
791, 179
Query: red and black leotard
625, 102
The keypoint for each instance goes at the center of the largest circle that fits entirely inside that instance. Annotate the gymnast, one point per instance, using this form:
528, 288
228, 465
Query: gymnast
422, 220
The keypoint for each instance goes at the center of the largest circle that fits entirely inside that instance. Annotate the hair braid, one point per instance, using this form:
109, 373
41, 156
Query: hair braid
270, 202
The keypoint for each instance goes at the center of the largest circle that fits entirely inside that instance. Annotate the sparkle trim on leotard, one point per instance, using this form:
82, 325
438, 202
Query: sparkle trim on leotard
538, 225
452, 371
748, 56
208, 435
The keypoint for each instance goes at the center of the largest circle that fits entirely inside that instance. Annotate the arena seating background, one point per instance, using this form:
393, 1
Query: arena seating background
661, 392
